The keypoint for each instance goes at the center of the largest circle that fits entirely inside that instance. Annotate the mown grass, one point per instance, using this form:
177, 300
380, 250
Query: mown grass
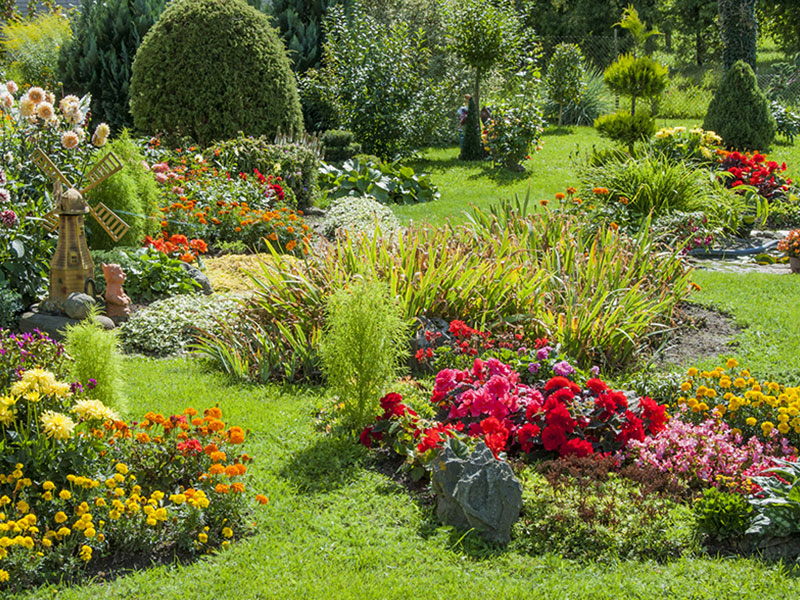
548, 172
337, 528
765, 306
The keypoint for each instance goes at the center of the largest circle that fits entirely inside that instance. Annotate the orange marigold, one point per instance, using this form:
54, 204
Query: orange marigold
237, 488
261, 499
222, 488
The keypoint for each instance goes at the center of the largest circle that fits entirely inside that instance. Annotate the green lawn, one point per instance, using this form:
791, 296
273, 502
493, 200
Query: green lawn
549, 171
337, 528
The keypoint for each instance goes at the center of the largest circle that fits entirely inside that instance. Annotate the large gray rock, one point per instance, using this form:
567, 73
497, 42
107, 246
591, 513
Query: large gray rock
77, 306
199, 277
478, 492
54, 325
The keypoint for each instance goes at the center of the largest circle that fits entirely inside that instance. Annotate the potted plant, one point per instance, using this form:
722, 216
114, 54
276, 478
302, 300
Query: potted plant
791, 246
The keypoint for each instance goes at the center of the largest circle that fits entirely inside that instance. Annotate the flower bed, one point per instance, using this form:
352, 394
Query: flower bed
80, 486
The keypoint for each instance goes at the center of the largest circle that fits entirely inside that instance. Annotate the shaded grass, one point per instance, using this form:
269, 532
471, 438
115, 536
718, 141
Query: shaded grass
766, 306
335, 528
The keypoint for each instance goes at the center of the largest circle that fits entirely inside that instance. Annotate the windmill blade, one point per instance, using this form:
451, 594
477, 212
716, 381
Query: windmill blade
114, 226
50, 220
104, 169
49, 168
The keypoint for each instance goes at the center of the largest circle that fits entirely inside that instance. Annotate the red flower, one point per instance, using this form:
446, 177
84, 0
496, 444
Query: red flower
558, 416
495, 434
430, 440
190, 447
526, 435
366, 436
540, 343
607, 404
553, 438
576, 446
596, 386
556, 383
631, 430
655, 413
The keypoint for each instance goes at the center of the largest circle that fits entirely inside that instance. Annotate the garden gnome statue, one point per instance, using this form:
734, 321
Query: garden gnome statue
118, 305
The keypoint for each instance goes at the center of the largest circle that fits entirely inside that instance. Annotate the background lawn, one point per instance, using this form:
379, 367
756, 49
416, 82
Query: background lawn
548, 172
337, 528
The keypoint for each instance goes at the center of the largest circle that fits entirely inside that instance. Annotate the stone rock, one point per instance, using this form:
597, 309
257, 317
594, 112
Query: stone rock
77, 305
478, 492
53, 325
199, 277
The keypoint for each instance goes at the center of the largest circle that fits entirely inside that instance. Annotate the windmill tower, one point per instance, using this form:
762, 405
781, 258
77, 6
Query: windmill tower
72, 268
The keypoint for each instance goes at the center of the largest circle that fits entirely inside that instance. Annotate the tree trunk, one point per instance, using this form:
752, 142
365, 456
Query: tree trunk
560, 112
633, 105
698, 47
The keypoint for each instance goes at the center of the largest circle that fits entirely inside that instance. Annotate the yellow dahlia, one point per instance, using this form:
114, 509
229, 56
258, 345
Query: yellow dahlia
94, 410
36, 94
44, 110
26, 107
57, 425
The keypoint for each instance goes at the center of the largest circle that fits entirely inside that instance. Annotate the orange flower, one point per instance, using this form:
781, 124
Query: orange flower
222, 488
560, 196
571, 190
291, 245
216, 469
624, 200
190, 411
187, 257
210, 448
696, 287
214, 412
218, 456
544, 202
613, 226
600, 191
273, 236
216, 425
237, 488
231, 471
142, 438
261, 499
197, 421
236, 435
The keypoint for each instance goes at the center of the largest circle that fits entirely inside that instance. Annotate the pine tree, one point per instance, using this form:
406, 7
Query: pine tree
472, 148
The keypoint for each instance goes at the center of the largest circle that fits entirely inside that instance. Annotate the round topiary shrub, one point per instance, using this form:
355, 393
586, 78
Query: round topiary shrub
211, 68
739, 111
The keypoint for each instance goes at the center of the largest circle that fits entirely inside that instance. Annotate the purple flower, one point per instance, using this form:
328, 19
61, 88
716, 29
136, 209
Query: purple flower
533, 368
595, 370
75, 387
542, 353
8, 218
563, 369
521, 350
91, 384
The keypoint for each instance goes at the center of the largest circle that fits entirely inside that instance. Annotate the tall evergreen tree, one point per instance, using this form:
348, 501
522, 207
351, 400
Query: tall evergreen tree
471, 147
739, 29
300, 24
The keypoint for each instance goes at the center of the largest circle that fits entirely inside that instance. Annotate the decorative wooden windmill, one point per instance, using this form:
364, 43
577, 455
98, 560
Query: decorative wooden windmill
72, 268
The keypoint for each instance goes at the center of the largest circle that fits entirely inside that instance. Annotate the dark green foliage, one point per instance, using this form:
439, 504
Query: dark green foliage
471, 146
132, 193
722, 514
565, 77
339, 145
388, 183
210, 69
10, 307
739, 28
697, 19
96, 355
149, 274
626, 129
99, 57
300, 25
634, 77
782, 21
320, 110
297, 164
739, 111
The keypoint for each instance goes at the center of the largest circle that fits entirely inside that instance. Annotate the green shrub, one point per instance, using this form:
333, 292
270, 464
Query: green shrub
320, 108
787, 123
722, 514
625, 128
296, 163
132, 194
359, 215
211, 68
10, 307
171, 325
364, 342
98, 60
32, 47
565, 77
593, 102
471, 145
592, 519
339, 145
636, 77
96, 356
739, 111
386, 182
149, 274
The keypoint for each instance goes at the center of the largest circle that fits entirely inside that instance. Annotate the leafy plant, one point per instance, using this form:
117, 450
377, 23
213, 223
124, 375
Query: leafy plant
386, 182
739, 111
171, 325
149, 274
97, 358
253, 90
10, 306
777, 506
625, 128
593, 102
359, 216
722, 514
32, 45
99, 57
565, 81
787, 123
362, 347
339, 145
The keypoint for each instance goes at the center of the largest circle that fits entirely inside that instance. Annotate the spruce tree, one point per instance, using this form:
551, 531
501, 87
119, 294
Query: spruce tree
99, 57
739, 29
739, 111
472, 146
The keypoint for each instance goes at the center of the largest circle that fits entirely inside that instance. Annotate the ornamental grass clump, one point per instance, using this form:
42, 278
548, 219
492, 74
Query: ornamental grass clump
362, 347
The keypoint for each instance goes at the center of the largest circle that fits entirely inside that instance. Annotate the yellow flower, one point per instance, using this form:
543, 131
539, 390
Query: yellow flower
48, 486
783, 427
57, 425
45, 111
686, 386
3, 576
64, 494
121, 468
751, 421
767, 426
94, 410
100, 135
86, 553
202, 537
692, 372
69, 140
227, 532
732, 363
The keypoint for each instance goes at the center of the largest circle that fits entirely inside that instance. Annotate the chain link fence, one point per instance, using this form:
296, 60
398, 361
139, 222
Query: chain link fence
691, 86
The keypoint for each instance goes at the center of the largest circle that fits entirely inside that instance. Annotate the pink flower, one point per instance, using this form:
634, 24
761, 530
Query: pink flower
161, 178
